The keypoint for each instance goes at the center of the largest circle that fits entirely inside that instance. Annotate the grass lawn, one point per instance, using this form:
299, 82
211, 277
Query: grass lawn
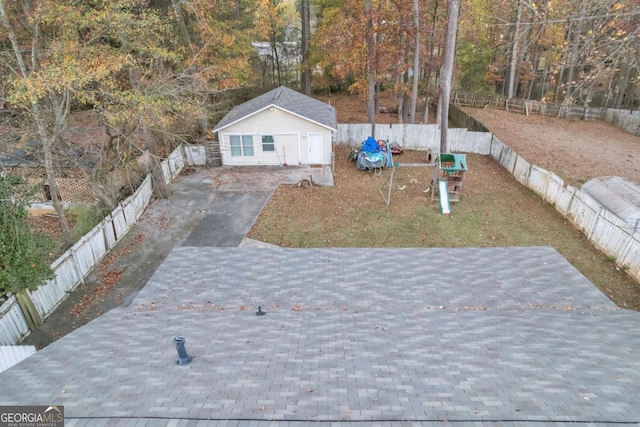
494, 210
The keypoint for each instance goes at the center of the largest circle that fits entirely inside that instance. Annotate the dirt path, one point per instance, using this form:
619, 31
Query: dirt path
575, 150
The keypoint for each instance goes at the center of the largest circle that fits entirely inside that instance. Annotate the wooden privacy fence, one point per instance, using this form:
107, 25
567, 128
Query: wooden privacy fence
524, 106
194, 155
74, 265
611, 234
416, 137
628, 120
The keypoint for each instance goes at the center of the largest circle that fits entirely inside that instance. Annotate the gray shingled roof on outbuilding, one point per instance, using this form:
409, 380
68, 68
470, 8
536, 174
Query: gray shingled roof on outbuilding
287, 99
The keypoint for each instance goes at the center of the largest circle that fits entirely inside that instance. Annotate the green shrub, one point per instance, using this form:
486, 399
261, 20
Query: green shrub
85, 217
24, 255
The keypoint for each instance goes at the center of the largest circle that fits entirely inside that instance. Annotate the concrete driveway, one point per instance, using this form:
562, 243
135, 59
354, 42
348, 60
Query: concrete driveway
211, 207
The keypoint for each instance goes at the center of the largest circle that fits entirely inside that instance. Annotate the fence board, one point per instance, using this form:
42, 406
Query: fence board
46, 297
521, 170
508, 158
609, 234
627, 120
67, 271
584, 211
141, 198
119, 221
67, 276
457, 140
176, 163
84, 256
13, 325
538, 181
497, 147
166, 171
109, 232
195, 155
629, 259
479, 142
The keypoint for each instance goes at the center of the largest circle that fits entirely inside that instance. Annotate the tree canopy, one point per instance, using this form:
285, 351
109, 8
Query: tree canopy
157, 71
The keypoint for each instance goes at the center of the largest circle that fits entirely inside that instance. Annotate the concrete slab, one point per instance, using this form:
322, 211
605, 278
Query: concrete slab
504, 336
230, 217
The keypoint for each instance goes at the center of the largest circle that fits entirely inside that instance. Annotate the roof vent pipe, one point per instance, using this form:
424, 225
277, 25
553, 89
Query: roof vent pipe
183, 356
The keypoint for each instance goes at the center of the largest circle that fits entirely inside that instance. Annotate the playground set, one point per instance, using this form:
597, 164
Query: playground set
447, 179
444, 183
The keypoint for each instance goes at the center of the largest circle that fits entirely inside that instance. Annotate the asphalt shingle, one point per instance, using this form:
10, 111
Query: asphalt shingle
287, 99
500, 336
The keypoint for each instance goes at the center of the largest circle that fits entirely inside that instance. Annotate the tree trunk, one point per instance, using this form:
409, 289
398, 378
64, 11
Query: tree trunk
623, 84
429, 73
416, 62
182, 26
161, 188
447, 72
371, 72
575, 45
514, 53
306, 36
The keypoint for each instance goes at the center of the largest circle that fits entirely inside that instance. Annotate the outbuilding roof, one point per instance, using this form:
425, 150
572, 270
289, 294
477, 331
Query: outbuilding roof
286, 99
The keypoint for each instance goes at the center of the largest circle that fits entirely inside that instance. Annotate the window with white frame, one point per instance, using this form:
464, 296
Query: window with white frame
268, 143
241, 145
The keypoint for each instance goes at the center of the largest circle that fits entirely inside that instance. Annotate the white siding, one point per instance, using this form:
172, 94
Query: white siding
290, 134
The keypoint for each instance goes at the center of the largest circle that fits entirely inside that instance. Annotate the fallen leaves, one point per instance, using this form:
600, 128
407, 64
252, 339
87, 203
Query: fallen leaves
85, 302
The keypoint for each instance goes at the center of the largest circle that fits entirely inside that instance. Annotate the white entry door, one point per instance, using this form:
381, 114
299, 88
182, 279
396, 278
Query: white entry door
315, 148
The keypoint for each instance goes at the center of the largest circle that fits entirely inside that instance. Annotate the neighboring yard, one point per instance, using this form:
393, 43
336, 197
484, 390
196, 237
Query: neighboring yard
574, 150
495, 210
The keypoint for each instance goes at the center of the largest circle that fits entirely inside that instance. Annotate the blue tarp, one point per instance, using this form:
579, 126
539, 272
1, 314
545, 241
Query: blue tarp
371, 156
370, 145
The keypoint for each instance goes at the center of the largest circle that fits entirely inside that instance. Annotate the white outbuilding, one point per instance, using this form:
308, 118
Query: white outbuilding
280, 127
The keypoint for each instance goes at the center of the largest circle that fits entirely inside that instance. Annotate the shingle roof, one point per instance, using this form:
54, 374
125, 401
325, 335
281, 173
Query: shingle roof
618, 194
479, 334
286, 99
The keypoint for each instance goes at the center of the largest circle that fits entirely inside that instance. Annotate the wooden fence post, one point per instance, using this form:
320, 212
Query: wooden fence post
29, 310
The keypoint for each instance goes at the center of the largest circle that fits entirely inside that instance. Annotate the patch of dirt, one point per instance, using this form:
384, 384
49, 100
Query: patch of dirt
574, 150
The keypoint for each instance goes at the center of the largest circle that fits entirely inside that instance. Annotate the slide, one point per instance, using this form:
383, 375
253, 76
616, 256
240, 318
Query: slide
443, 195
